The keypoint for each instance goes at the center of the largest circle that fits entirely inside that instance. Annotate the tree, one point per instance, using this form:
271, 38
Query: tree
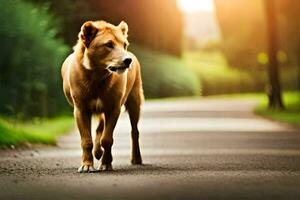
274, 89
30, 60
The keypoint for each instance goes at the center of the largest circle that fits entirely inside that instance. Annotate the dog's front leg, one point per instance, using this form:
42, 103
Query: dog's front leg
107, 138
83, 120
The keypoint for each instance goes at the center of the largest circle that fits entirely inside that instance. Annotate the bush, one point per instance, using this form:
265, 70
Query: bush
30, 60
165, 76
217, 77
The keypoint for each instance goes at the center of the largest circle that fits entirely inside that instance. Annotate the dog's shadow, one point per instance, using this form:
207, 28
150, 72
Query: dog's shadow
140, 169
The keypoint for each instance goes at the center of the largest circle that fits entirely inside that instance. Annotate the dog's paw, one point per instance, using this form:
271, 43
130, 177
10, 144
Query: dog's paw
86, 169
104, 167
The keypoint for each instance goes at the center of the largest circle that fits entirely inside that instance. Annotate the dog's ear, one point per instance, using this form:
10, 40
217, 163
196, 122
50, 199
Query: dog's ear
124, 28
88, 33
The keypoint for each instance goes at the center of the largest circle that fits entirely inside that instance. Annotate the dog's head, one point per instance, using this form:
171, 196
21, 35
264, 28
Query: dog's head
105, 46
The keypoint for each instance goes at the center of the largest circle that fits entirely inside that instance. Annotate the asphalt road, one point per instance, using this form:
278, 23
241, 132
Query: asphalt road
192, 149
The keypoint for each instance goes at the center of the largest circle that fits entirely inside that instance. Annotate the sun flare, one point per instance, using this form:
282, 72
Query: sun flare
191, 6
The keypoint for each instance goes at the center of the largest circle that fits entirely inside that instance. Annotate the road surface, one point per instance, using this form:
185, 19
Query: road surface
192, 149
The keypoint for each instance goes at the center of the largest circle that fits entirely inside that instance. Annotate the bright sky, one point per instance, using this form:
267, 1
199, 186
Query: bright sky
191, 6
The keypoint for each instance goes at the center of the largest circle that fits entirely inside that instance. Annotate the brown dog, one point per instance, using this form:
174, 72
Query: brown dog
98, 78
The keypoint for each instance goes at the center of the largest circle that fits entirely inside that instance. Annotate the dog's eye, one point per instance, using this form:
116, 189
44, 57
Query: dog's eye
125, 46
110, 45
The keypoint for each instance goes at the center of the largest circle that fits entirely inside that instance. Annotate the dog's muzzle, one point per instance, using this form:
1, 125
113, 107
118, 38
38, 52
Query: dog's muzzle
125, 65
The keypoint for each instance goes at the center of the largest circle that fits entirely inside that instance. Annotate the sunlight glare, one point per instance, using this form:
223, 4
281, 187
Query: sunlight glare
191, 6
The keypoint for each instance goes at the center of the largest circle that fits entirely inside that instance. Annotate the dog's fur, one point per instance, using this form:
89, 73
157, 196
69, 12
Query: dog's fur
97, 80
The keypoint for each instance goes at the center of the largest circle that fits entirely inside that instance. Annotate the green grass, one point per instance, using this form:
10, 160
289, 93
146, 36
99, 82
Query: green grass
45, 132
290, 115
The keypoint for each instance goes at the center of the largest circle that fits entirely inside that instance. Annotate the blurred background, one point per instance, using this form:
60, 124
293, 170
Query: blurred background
186, 48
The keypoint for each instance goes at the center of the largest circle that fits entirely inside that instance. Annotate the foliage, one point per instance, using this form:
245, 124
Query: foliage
30, 58
161, 31
217, 77
244, 30
34, 132
164, 75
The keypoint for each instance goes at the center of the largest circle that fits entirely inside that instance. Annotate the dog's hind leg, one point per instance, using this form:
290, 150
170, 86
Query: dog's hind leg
133, 105
97, 148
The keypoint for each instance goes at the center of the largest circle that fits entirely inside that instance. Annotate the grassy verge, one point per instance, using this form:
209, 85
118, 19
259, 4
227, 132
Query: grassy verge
44, 132
290, 115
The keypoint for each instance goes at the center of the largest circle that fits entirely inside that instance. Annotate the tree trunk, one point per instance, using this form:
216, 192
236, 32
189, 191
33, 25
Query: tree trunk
274, 88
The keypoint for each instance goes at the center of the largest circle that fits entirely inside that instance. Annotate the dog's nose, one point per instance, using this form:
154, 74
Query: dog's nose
127, 62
